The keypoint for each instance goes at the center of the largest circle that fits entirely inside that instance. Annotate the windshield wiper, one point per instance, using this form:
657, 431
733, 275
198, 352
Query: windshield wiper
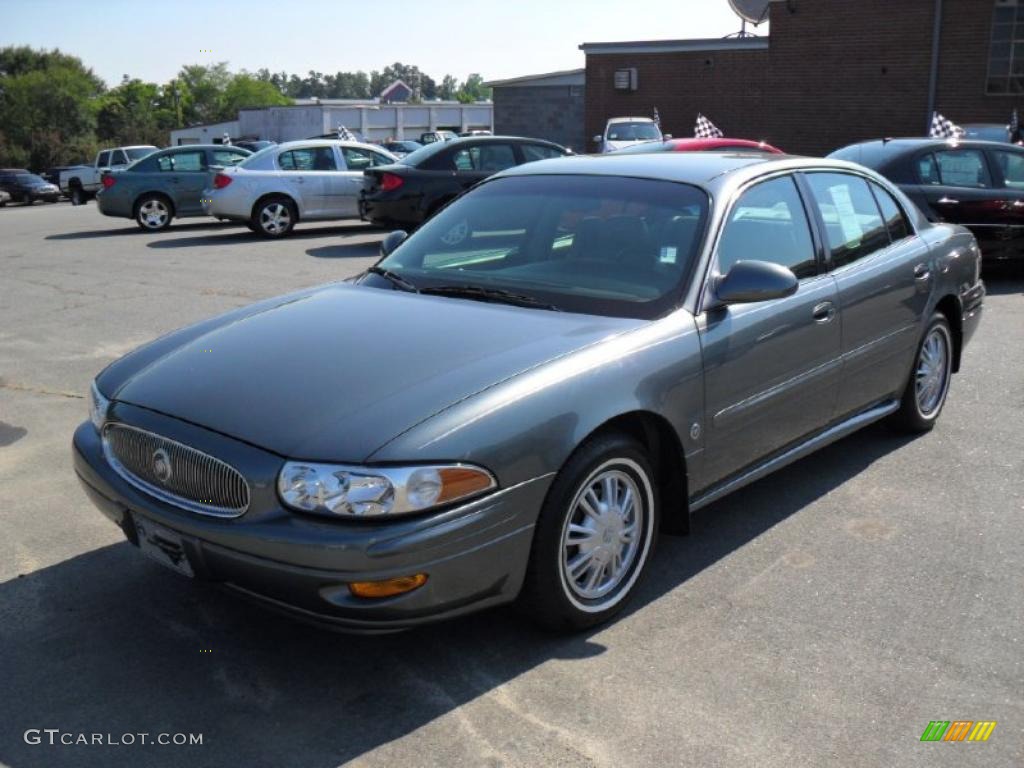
497, 295
395, 279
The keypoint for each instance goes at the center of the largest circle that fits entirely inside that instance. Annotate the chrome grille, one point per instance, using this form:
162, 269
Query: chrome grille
174, 472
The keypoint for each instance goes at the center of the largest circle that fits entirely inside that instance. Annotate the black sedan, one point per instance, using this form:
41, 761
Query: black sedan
25, 187
411, 191
979, 184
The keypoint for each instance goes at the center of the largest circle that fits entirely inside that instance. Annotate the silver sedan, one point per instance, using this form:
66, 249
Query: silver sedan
299, 180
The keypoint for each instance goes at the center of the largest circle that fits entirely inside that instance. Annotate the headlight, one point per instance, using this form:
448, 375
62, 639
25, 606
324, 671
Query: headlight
98, 407
330, 489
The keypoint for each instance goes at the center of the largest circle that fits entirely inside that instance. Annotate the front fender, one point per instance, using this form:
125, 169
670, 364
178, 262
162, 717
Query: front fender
528, 426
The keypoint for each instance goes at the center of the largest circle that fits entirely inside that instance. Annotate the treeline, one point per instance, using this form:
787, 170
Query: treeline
56, 111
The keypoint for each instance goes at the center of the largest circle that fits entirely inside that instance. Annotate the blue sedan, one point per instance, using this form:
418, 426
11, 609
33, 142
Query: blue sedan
166, 184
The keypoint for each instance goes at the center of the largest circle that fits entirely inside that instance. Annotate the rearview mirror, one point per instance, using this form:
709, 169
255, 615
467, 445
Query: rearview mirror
750, 281
392, 241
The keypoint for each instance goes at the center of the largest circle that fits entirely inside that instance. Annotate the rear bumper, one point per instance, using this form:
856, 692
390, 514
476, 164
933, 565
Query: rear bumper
403, 211
475, 556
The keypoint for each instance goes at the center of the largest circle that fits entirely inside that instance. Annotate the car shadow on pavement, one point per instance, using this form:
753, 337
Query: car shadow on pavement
244, 236
107, 642
131, 229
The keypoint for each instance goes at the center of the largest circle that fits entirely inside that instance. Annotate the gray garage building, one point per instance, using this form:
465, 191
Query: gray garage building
549, 106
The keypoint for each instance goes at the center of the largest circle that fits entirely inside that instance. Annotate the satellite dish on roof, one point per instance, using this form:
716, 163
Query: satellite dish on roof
754, 11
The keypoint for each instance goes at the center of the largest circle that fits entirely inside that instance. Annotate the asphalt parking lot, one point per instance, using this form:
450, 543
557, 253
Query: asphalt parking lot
822, 616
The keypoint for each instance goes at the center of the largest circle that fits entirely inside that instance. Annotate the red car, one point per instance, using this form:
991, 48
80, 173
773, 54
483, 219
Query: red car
699, 145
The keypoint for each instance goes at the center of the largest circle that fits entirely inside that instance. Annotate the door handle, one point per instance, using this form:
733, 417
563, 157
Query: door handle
921, 272
824, 312
944, 200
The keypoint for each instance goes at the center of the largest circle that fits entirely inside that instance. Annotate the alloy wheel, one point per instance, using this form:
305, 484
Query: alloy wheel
603, 534
275, 218
154, 214
931, 378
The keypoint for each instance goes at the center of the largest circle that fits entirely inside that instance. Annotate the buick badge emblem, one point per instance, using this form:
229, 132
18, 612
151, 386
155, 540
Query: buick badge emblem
161, 465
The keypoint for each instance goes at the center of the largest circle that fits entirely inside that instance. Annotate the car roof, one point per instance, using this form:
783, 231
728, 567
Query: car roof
681, 145
909, 143
187, 147
612, 120
306, 143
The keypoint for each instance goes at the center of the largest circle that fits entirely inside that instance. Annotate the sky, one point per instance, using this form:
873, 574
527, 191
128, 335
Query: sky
496, 39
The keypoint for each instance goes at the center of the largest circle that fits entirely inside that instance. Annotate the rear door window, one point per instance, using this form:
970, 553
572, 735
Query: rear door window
532, 152
768, 223
182, 162
963, 168
853, 224
103, 160
1011, 165
895, 219
118, 157
308, 159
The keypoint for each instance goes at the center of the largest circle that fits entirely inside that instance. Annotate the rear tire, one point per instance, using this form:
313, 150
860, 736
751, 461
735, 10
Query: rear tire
274, 217
153, 213
930, 377
77, 195
594, 536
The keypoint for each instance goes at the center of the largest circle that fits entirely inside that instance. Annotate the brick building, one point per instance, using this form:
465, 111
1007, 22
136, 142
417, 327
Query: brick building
831, 72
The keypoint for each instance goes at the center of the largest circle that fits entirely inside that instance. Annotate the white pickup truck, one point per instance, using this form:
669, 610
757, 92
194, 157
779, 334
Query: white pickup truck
82, 182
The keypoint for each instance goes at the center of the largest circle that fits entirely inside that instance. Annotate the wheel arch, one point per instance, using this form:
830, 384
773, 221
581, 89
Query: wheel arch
665, 450
949, 305
267, 196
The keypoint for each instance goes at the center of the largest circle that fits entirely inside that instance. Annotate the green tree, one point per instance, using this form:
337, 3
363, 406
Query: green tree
48, 104
245, 90
202, 93
133, 113
473, 90
448, 88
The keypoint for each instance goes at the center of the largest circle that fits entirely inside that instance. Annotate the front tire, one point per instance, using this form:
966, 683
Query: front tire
930, 377
594, 536
153, 213
274, 217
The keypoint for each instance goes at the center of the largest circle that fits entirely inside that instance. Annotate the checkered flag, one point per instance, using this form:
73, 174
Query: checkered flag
1014, 127
943, 128
345, 134
705, 129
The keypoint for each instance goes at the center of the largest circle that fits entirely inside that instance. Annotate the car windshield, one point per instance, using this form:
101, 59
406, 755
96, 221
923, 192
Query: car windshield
633, 132
30, 178
600, 245
137, 153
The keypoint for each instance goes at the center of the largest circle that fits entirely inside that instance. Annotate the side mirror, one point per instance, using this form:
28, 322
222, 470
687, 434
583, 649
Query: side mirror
597, 139
750, 281
392, 241
666, 136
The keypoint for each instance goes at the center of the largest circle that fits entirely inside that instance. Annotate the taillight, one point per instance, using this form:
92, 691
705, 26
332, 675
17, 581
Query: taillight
221, 180
108, 181
390, 181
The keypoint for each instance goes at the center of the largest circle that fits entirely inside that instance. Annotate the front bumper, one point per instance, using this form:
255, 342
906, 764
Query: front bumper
972, 302
475, 555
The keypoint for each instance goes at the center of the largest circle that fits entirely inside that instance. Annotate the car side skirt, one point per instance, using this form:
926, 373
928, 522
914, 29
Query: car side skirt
799, 451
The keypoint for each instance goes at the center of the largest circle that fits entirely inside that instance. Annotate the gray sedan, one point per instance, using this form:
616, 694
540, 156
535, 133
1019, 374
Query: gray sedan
165, 185
511, 405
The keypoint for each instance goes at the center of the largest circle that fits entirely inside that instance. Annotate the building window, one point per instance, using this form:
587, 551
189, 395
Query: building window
1006, 49
626, 79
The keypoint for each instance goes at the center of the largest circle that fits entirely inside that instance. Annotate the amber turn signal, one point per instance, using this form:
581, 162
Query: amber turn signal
388, 587
459, 482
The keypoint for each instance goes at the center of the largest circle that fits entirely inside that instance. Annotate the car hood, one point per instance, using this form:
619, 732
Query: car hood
333, 374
